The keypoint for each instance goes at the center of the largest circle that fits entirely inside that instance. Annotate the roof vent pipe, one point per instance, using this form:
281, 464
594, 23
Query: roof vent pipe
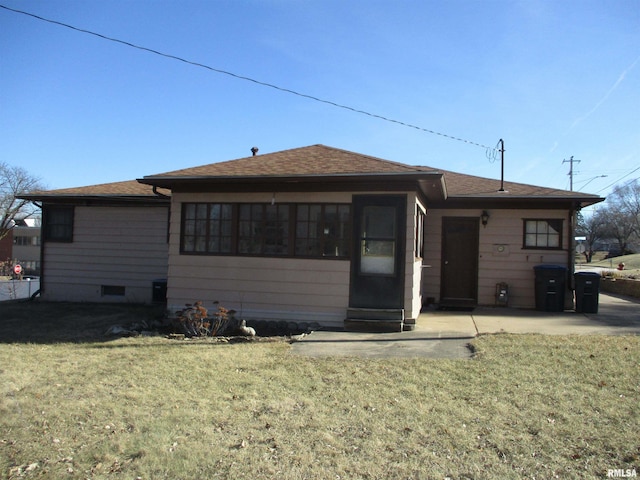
254, 150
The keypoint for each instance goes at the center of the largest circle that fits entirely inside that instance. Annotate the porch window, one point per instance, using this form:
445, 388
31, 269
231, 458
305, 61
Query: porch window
543, 233
57, 223
322, 230
264, 229
207, 228
304, 230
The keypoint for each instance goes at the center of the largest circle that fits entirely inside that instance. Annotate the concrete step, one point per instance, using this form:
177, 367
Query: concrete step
374, 319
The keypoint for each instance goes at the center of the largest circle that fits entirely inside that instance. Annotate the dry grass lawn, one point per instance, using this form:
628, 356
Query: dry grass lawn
76, 405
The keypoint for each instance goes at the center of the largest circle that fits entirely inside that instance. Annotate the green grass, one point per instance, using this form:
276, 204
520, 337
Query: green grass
527, 406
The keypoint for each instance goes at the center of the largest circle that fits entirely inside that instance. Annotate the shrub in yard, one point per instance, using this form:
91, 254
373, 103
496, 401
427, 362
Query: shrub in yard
194, 320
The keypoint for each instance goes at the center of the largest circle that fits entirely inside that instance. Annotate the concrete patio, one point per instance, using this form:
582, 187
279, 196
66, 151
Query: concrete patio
445, 334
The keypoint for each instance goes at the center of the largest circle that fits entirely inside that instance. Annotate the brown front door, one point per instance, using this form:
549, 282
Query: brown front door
459, 277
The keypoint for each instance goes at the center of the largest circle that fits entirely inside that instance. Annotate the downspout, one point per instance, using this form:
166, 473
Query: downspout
571, 267
42, 223
162, 195
157, 193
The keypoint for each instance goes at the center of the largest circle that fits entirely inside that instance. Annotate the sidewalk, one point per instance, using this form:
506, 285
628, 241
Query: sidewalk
445, 334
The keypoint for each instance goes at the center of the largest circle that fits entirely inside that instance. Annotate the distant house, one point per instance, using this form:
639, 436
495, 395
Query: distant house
21, 246
26, 245
315, 234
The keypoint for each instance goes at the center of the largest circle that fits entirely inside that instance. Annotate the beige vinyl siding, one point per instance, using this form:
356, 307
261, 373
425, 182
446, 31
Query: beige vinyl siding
413, 269
312, 290
514, 265
263, 288
114, 246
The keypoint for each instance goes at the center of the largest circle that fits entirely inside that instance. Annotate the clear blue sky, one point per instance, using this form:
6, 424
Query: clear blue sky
554, 79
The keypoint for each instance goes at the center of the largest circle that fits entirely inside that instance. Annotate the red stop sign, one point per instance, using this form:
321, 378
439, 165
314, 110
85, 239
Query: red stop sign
17, 269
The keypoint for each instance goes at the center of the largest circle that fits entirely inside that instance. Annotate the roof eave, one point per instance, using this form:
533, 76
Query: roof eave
430, 183
502, 199
93, 197
162, 181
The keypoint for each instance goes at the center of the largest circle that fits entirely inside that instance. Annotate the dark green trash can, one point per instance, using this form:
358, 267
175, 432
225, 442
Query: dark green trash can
587, 291
159, 290
551, 284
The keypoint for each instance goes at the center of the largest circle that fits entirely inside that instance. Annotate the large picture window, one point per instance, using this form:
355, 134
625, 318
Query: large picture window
543, 233
57, 224
303, 230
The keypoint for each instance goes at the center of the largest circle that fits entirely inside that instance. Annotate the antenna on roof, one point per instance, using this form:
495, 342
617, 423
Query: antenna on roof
501, 150
254, 150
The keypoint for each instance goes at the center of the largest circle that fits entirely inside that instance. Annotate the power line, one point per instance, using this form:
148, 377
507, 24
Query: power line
249, 79
624, 176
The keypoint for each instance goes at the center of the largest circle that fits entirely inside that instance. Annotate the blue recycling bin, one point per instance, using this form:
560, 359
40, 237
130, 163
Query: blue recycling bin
550, 287
587, 291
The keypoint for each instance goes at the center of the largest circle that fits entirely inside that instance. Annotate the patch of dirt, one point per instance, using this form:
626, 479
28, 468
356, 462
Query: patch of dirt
24, 321
56, 322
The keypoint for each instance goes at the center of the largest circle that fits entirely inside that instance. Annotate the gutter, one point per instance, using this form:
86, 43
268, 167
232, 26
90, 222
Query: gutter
167, 180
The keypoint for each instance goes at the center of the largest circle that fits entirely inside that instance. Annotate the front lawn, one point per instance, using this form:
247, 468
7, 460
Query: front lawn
527, 406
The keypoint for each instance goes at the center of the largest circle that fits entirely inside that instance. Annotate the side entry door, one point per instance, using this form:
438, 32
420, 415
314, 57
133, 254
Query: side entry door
377, 267
459, 268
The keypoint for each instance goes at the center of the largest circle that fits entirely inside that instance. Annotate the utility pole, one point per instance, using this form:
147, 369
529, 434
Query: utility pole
571, 161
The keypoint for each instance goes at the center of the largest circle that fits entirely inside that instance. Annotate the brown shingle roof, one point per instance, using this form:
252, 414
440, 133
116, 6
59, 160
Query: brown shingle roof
461, 185
305, 161
129, 189
323, 161
316, 161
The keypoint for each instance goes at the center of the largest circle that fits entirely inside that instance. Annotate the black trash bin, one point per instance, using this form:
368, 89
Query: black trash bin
587, 291
159, 290
551, 281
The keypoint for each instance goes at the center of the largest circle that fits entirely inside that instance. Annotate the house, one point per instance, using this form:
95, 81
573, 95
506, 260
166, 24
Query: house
316, 234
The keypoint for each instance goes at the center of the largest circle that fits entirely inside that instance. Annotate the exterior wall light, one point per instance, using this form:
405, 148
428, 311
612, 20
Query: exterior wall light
484, 218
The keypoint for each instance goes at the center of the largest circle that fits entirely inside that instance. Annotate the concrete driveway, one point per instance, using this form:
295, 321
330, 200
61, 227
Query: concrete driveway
446, 334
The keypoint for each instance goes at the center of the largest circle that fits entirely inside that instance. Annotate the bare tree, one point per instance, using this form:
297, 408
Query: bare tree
593, 228
626, 199
619, 226
13, 182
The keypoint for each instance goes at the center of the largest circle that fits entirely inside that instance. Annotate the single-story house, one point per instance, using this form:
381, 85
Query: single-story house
314, 234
